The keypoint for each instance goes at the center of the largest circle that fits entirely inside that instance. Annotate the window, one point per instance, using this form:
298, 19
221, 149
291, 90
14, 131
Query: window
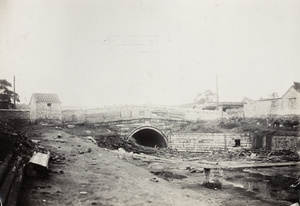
237, 143
292, 103
49, 104
274, 104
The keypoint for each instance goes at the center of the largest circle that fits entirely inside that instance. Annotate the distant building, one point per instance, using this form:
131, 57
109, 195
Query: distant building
45, 108
288, 104
4, 101
223, 106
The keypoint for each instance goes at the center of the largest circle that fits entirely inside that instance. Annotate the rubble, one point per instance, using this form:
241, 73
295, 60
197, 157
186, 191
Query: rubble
265, 156
15, 151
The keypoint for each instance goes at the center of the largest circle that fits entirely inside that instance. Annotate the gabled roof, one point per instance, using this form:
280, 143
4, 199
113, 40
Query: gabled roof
49, 98
297, 86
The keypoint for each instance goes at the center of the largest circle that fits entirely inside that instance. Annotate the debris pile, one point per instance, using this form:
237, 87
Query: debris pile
15, 151
115, 142
266, 156
14, 142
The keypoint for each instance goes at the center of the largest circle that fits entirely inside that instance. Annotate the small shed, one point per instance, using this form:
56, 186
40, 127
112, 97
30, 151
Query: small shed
45, 108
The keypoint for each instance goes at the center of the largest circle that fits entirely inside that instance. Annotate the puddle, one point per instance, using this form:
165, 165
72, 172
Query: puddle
273, 183
168, 175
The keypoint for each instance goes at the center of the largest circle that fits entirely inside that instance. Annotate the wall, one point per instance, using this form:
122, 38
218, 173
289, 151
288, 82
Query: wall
262, 108
236, 113
206, 142
286, 143
32, 107
14, 114
45, 112
134, 112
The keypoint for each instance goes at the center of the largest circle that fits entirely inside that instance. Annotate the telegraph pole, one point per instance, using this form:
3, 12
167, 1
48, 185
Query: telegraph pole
217, 106
14, 92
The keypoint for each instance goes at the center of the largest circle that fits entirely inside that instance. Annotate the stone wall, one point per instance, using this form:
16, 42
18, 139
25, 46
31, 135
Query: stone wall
45, 112
261, 108
14, 114
106, 114
286, 143
206, 142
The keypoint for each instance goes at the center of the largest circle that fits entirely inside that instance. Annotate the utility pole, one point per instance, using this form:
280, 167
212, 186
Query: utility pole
217, 106
14, 92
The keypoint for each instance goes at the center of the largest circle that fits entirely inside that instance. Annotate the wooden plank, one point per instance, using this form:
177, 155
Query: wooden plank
4, 167
260, 165
15, 188
5, 187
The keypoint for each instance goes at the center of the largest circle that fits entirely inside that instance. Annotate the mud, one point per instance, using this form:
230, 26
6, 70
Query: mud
82, 173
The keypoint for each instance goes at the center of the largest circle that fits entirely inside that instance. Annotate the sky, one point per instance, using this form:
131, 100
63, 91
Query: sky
116, 52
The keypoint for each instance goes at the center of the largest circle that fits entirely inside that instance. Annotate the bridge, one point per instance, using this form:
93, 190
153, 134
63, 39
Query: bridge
147, 125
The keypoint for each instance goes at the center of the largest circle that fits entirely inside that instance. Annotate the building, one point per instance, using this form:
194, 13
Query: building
288, 104
4, 101
223, 106
45, 108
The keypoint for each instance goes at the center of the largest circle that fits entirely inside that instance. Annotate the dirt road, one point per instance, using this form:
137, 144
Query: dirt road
81, 173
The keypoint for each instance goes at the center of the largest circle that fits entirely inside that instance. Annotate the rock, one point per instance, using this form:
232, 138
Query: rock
121, 150
70, 126
59, 136
83, 193
154, 179
89, 150
92, 139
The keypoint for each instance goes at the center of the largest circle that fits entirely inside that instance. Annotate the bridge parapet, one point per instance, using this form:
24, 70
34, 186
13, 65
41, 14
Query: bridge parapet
108, 114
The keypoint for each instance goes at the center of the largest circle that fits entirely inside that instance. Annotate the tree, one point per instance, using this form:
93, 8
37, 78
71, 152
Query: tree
207, 96
274, 95
5, 89
247, 100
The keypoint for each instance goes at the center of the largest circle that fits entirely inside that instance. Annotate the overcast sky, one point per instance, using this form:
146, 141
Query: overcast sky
108, 52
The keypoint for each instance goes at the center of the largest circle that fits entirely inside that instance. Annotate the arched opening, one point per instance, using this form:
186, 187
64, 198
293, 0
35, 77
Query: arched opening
149, 137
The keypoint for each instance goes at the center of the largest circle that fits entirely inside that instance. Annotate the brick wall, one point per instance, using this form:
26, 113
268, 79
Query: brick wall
14, 114
205, 142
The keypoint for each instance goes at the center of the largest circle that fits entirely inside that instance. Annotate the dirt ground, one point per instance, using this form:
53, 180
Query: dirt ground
81, 173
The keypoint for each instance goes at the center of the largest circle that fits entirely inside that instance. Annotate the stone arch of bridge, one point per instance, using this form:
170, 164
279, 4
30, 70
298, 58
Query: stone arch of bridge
148, 136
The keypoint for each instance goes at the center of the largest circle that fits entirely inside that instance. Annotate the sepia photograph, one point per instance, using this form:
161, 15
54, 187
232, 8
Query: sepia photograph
149, 102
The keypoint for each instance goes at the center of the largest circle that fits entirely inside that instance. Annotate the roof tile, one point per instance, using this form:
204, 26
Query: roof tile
50, 98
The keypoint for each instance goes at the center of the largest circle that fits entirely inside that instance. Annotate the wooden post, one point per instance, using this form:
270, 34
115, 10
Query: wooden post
217, 106
14, 92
